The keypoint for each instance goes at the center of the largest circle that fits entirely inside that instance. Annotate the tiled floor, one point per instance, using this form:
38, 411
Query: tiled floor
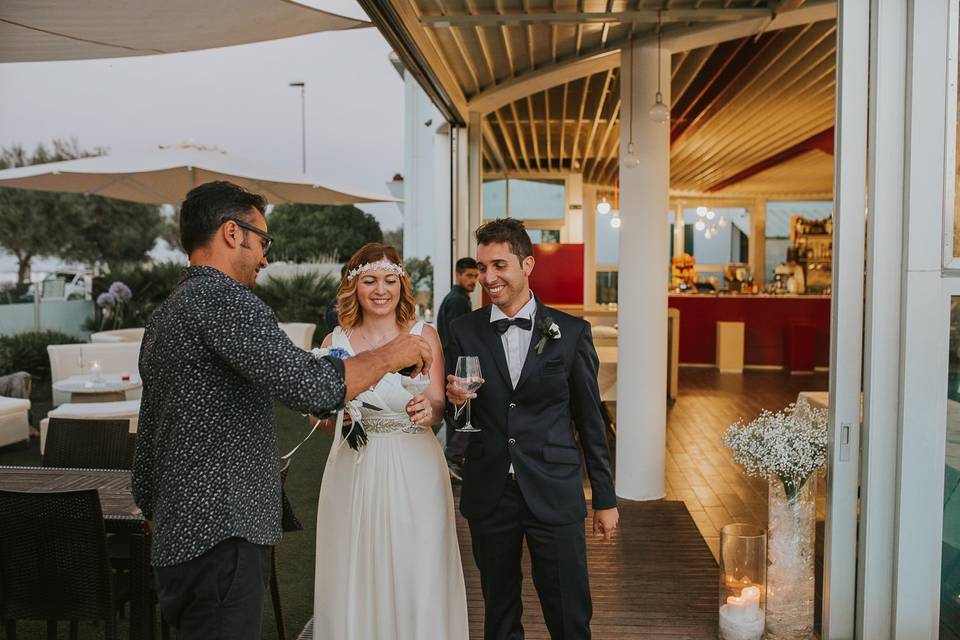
699, 469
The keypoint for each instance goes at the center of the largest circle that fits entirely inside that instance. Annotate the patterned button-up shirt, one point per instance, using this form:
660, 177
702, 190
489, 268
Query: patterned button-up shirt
206, 464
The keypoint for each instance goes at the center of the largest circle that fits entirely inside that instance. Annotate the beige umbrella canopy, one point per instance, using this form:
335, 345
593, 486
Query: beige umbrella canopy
167, 174
37, 30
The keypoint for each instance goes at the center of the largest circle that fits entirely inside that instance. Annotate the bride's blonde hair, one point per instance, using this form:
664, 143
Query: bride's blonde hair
349, 311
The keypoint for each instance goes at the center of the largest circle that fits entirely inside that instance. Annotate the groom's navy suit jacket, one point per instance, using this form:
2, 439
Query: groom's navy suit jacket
532, 426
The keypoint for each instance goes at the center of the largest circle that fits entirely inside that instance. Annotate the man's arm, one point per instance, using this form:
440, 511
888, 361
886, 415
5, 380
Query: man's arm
588, 417
244, 333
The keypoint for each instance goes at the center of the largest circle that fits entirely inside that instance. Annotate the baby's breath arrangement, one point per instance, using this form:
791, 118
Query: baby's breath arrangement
790, 445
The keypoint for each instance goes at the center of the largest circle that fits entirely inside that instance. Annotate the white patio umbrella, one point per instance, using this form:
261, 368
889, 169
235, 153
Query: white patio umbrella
167, 174
37, 30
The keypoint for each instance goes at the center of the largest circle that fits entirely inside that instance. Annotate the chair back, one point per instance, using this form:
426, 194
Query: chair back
88, 444
53, 557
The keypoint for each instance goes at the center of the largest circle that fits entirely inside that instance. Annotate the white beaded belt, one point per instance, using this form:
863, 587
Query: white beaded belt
380, 426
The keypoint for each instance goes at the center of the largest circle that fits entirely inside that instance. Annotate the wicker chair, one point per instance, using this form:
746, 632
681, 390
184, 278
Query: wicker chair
88, 444
53, 561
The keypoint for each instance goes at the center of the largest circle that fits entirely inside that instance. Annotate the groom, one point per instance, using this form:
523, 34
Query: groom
521, 476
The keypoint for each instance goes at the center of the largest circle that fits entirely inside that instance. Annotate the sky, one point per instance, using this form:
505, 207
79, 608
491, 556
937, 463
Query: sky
235, 98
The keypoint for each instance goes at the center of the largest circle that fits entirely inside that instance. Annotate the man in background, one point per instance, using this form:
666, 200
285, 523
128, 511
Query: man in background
454, 305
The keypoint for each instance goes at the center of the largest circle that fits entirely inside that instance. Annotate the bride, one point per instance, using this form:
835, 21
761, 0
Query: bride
388, 564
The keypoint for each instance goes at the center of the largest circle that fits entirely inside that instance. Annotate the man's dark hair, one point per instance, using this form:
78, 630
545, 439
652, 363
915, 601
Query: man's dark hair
509, 231
466, 263
206, 207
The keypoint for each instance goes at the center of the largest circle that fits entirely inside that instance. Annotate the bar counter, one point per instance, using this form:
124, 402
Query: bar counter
767, 326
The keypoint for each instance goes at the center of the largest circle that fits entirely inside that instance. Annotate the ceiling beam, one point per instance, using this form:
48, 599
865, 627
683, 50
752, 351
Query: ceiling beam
822, 141
723, 82
675, 40
645, 16
494, 145
399, 25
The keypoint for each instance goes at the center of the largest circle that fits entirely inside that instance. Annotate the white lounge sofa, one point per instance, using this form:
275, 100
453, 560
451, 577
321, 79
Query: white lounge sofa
123, 410
300, 333
65, 361
118, 335
14, 422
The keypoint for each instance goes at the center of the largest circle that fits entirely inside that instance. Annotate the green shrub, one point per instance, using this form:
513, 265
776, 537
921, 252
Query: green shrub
300, 298
27, 351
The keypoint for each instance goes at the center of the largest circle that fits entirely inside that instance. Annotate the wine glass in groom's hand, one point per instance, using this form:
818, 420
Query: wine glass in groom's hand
467, 379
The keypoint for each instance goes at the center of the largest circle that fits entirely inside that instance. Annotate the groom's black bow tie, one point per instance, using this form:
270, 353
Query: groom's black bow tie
503, 324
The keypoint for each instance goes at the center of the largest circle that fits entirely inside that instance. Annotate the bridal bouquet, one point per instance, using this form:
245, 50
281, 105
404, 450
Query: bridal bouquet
789, 445
355, 436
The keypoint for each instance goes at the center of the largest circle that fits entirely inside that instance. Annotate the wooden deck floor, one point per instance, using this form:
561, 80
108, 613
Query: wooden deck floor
658, 580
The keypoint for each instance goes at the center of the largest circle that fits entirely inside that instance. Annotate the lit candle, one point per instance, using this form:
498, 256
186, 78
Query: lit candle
741, 617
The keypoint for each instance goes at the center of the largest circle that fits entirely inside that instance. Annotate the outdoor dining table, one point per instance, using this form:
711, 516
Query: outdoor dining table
120, 515
108, 387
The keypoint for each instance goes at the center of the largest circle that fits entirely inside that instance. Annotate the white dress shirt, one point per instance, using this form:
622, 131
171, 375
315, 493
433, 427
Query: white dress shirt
516, 341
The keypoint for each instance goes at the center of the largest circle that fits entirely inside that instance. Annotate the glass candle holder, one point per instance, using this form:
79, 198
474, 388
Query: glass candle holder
95, 368
743, 577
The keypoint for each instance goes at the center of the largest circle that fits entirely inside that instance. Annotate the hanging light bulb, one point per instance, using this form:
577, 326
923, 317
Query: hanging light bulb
659, 112
615, 220
632, 161
711, 214
603, 207
700, 226
701, 211
722, 222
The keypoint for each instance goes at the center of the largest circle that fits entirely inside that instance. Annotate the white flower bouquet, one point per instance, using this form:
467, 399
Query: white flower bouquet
789, 445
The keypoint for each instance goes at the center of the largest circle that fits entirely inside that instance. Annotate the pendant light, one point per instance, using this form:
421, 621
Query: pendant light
632, 161
659, 112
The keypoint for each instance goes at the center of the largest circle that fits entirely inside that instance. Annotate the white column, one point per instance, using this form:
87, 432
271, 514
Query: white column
644, 256
589, 244
461, 199
475, 186
436, 240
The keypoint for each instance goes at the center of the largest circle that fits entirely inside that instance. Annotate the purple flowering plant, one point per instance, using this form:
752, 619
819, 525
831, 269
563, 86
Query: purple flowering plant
112, 304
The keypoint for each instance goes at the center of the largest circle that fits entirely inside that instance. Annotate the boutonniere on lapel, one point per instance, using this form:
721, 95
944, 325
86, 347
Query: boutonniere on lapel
548, 330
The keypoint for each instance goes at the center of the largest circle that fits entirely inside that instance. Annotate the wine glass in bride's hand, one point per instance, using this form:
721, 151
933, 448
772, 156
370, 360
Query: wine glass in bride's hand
415, 385
469, 379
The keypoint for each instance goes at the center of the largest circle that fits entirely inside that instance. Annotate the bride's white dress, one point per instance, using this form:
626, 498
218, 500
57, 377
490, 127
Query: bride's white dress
388, 563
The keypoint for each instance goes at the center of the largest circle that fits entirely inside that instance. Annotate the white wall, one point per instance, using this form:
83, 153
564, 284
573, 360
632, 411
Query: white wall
426, 187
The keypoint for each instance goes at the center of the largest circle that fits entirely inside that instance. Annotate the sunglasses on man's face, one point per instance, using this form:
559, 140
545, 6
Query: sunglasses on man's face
267, 239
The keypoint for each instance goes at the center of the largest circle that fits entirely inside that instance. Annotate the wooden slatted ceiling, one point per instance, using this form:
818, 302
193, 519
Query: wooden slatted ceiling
735, 105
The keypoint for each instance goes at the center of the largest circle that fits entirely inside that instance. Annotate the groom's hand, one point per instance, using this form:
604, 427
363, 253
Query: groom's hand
605, 522
456, 395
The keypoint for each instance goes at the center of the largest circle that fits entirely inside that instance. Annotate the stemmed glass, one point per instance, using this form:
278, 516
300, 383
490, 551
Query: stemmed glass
469, 379
415, 385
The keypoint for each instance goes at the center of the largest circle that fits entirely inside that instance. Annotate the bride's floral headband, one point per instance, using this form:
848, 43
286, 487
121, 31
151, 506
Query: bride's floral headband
382, 265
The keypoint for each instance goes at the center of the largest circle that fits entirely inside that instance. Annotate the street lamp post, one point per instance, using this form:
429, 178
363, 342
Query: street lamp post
303, 123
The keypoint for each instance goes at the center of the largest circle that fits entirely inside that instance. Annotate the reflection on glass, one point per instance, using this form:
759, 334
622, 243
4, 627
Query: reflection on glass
950, 563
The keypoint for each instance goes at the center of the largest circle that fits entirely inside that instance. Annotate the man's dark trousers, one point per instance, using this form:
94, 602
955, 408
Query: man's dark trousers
219, 595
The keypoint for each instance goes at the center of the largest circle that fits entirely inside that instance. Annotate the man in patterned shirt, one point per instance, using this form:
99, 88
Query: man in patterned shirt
213, 361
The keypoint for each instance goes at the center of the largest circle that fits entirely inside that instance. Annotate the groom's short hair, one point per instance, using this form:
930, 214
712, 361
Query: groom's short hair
508, 231
208, 205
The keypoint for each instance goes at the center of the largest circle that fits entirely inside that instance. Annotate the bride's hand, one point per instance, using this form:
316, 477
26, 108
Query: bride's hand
420, 410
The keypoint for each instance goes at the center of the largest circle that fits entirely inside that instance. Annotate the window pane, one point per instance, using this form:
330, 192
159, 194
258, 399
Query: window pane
607, 286
777, 228
950, 563
723, 239
537, 200
494, 199
608, 241
538, 236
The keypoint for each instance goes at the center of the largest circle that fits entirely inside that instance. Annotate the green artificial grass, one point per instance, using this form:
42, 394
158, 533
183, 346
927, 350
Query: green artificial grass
295, 555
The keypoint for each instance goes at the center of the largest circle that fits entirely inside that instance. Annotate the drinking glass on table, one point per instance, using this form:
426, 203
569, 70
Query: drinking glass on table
469, 379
